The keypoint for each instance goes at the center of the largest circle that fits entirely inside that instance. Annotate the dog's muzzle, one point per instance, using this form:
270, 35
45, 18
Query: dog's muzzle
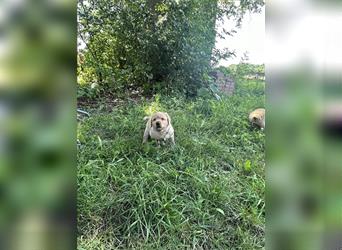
158, 125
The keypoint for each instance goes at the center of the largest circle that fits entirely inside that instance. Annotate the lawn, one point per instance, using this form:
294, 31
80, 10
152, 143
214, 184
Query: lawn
207, 192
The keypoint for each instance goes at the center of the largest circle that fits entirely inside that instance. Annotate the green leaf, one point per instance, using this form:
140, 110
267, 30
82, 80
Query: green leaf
100, 141
220, 211
248, 165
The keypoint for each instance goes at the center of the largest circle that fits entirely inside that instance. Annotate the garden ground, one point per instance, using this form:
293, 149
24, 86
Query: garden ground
207, 192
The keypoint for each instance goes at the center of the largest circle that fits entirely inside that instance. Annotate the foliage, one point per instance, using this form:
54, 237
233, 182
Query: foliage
243, 70
207, 192
143, 42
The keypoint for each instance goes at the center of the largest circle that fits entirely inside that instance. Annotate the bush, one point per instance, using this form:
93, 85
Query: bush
145, 42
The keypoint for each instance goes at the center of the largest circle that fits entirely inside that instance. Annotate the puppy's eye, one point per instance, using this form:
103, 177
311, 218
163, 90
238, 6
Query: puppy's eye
154, 119
162, 119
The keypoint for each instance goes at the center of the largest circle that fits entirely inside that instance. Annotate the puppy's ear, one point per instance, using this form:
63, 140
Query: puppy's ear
168, 118
147, 119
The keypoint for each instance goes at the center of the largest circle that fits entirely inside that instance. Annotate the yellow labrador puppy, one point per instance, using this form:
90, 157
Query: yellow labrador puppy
159, 127
257, 117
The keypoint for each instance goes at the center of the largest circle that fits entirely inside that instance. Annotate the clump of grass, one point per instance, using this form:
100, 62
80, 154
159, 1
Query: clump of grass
206, 192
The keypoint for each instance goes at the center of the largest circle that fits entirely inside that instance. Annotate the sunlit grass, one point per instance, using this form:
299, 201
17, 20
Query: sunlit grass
154, 106
207, 192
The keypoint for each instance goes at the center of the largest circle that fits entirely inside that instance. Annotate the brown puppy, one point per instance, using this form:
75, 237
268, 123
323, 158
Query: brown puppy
257, 117
159, 127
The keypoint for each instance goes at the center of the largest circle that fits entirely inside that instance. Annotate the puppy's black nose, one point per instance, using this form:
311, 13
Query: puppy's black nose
158, 124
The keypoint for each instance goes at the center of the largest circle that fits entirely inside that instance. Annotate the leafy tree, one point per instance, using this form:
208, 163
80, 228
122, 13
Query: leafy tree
243, 70
154, 43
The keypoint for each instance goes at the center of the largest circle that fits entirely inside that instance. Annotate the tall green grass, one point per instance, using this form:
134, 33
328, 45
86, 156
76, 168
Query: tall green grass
207, 192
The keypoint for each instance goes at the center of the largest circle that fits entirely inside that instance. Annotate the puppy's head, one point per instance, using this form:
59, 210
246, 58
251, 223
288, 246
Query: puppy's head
160, 120
257, 117
259, 121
